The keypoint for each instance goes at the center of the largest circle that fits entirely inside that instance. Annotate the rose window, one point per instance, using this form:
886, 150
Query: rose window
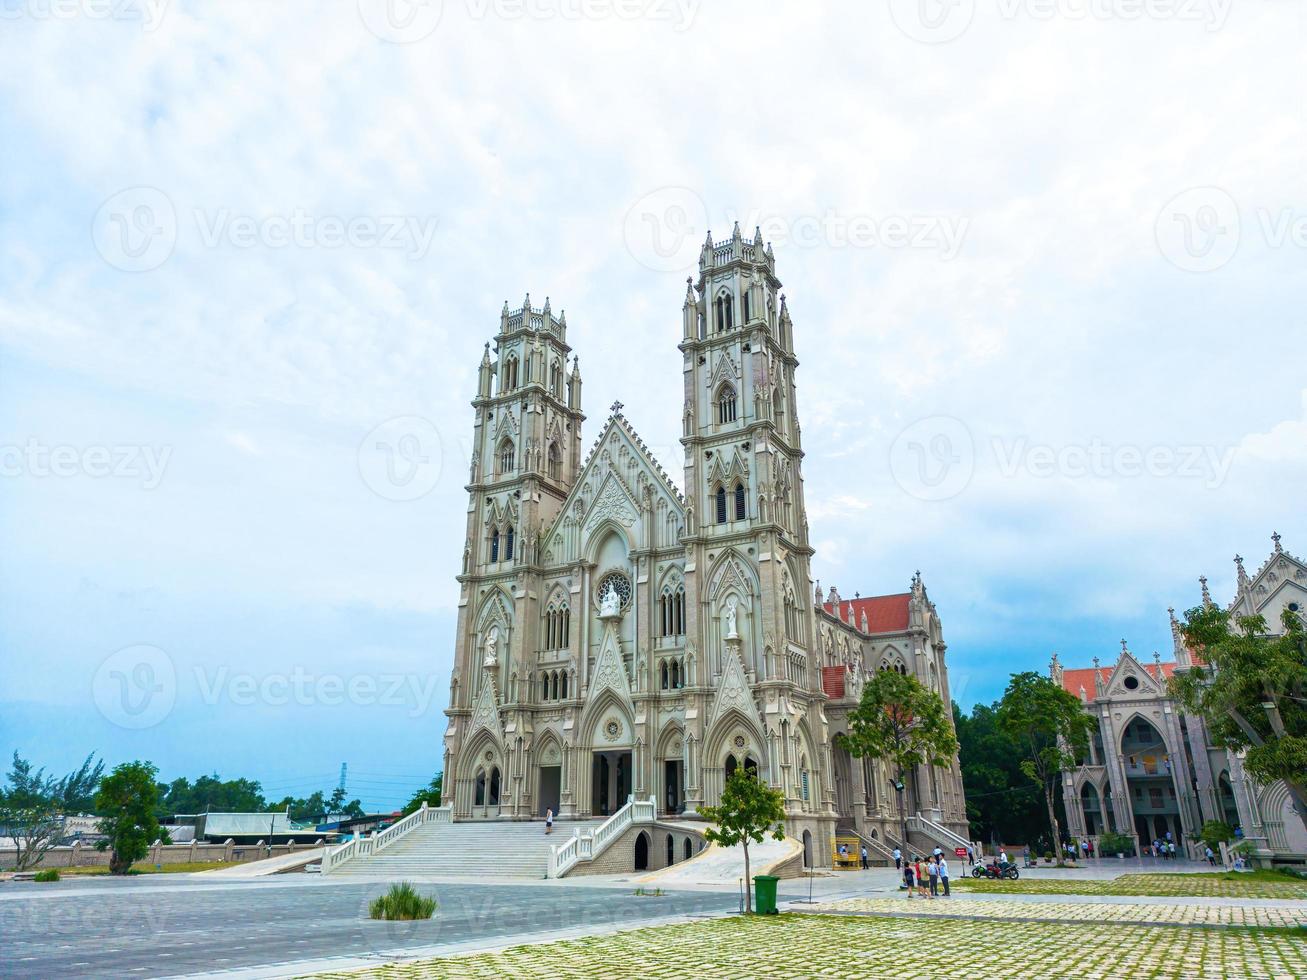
620, 584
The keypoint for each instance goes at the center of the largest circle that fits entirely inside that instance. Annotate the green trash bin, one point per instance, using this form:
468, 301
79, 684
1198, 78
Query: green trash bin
764, 894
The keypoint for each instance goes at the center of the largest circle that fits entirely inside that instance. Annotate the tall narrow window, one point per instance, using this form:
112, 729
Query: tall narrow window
508, 544
555, 462
508, 376
740, 508
745, 303
506, 457
721, 505
726, 410
494, 545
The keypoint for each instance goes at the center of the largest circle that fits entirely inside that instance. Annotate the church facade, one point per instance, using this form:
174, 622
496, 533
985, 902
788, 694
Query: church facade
1152, 767
622, 636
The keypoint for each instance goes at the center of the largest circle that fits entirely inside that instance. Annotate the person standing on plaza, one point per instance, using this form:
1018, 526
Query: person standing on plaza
863, 855
898, 861
909, 877
971, 858
932, 870
549, 821
920, 872
943, 874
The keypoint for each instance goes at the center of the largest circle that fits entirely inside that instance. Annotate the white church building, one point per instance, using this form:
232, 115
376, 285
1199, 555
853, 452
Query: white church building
625, 636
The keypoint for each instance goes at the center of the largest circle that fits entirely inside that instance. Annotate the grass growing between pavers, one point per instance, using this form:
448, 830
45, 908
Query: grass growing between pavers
1220, 885
793, 946
1178, 914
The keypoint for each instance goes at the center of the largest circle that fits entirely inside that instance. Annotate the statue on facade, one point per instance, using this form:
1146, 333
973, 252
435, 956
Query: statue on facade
732, 633
610, 603
492, 648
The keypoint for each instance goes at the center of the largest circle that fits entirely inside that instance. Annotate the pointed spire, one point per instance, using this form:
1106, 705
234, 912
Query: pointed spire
526, 311
1207, 596
576, 367
562, 318
1175, 623
485, 358
757, 236
689, 292
1241, 575
817, 595
546, 310
1275, 539
735, 233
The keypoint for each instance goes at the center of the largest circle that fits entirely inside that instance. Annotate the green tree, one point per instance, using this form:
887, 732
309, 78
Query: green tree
127, 803
29, 813
1052, 728
1002, 804
903, 722
429, 794
211, 794
749, 811
1252, 692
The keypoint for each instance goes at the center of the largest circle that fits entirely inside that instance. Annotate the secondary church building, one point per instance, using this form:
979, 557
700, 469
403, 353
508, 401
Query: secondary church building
622, 636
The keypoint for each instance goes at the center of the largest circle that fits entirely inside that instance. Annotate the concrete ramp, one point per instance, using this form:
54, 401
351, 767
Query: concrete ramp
716, 865
281, 864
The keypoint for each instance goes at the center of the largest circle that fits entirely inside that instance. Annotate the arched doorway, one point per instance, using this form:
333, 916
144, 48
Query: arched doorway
1150, 782
671, 850
1090, 804
642, 852
687, 850
807, 849
494, 787
1229, 808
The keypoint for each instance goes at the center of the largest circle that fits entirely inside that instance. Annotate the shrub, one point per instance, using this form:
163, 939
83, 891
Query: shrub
49, 874
1048, 856
1112, 844
402, 902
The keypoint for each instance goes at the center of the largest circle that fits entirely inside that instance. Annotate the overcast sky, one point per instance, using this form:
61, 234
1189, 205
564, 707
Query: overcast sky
1045, 260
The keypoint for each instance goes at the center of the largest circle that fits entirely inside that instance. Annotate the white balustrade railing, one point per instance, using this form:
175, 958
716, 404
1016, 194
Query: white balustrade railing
365, 846
588, 846
938, 831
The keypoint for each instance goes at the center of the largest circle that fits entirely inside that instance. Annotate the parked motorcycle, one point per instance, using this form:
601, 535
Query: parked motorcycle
996, 871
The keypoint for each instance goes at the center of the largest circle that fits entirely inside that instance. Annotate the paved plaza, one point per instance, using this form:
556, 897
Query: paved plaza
858, 925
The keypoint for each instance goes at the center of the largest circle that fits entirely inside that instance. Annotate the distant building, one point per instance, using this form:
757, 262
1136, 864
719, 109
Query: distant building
247, 828
1152, 768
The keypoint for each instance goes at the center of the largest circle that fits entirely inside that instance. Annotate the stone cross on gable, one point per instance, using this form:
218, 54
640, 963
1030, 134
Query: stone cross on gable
617, 408
1276, 538
1123, 647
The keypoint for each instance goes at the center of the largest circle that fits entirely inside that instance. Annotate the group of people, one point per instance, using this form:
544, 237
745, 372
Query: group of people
1162, 849
925, 879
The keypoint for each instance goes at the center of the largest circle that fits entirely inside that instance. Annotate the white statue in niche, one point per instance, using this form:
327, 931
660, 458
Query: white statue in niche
732, 632
492, 648
610, 603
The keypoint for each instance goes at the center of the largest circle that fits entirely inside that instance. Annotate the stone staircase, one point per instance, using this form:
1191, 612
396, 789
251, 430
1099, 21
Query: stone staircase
483, 849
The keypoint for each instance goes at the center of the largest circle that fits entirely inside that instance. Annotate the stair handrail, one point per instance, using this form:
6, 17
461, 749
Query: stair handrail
589, 845
928, 827
873, 844
362, 846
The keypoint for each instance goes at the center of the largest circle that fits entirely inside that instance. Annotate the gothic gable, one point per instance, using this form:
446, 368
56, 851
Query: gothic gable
485, 717
733, 695
1129, 679
620, 482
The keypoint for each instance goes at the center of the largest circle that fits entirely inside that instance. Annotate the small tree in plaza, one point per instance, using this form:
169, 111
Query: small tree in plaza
1052, 728
749, 811
126, 803
902, 721
1252, 692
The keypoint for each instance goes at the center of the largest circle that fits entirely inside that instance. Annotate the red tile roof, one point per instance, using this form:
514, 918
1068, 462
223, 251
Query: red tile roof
1074, 680
885, 613
832, 682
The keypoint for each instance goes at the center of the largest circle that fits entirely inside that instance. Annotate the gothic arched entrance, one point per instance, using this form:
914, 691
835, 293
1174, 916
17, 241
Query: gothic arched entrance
642, 852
